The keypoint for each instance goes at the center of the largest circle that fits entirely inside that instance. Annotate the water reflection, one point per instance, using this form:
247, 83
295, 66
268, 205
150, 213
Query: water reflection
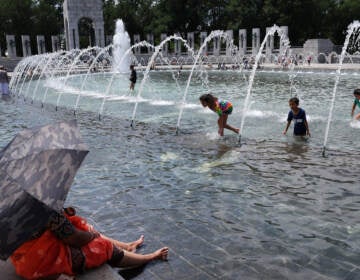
273, 208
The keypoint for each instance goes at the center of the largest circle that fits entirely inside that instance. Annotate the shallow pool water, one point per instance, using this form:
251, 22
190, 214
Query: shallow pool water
272, 208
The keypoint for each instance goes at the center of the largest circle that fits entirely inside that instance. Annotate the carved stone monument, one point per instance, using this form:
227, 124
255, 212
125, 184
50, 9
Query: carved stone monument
255, 40
316, 46
150, 40
203, 36
108, 39
55, 43
229, 42
242, 42
216, 46
40, 40
178, 46
165, 47
11, 46
190, 40
74, 11
285, 31
269, 43
137, 50
26, 46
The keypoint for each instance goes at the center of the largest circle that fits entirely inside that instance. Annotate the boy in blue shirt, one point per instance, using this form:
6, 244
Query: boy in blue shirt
301, 127
356, 102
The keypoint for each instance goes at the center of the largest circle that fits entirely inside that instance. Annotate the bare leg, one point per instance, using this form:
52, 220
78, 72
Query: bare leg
236, 130
227, 126
131, 259
357, 117
131, 247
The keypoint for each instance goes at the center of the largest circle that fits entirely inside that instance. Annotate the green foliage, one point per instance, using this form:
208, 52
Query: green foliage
306, 18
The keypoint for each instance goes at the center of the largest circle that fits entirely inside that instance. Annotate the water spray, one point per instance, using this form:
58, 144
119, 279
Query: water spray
351, 29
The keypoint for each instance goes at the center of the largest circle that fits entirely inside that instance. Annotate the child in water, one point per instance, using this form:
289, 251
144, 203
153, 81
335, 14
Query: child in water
301, 127
356, 102
133, 77
222, 108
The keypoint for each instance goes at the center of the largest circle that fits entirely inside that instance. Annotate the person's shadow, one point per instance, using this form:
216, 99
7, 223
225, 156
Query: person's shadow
131, 273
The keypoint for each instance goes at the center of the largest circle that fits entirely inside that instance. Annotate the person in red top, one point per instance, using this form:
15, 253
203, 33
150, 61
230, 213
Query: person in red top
69, 246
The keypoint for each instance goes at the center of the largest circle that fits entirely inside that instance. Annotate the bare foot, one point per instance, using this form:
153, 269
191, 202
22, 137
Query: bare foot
136, 244
161, 254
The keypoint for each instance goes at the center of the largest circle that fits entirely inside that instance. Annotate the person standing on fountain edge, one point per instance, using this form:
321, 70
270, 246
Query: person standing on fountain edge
222, 108
132, 77
356, 102
301, 127
4, 81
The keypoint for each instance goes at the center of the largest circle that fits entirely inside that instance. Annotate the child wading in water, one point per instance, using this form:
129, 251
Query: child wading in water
356, 102
222, 108
301, 127
133, 77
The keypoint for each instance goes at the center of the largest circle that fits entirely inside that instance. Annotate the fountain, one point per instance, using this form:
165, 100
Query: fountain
47, 67
288, 212
212, 35
352, 29
285, 42
121, 43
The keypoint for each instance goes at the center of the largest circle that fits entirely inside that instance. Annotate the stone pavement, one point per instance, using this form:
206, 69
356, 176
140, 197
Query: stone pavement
7, 272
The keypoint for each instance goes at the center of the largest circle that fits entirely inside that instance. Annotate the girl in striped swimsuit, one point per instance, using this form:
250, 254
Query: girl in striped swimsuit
222, 108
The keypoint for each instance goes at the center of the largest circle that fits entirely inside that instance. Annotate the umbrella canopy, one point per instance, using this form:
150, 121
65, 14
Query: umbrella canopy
37, 169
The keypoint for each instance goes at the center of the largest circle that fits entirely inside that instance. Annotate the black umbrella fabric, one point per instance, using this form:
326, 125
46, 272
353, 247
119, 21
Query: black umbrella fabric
37, 169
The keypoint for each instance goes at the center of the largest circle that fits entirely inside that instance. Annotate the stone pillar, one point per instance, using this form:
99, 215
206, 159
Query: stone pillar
108, 40
269, 42
55, 43
190, 40
11, 45
216, 46
203, 36
255, 40
165, 47
229, 42
99, 33
71, 37
242, 42
284, 31
150, 40
73, 11
25, 40
137, 50
40, 39
177, 45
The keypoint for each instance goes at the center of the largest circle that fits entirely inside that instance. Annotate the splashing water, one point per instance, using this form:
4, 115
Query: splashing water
121, 42
354, 26
213, 34
151, 62
285, 41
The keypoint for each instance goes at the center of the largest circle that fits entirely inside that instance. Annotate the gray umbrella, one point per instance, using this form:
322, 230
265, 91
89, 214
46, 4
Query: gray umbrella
37, 169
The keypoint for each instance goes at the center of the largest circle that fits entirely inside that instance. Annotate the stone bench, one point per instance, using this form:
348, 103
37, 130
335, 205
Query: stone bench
7, 272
